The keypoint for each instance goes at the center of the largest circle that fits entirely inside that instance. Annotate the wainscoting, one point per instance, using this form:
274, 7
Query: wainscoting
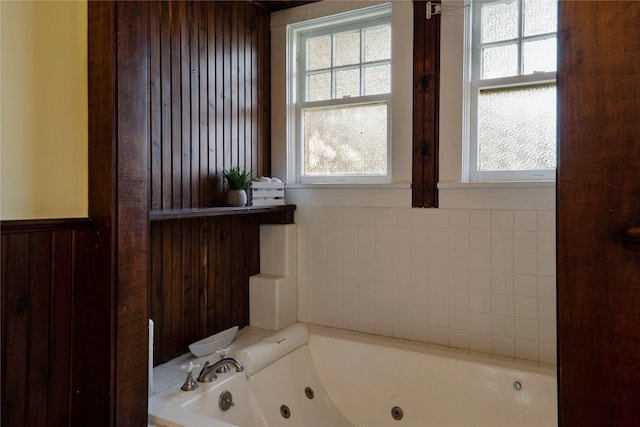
48, 312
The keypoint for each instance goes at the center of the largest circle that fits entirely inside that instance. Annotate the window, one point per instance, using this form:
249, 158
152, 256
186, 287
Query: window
341, 97
513, 90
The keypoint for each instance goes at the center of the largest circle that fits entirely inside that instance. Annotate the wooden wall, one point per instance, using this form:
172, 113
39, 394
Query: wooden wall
209, 110
48, 350
200, 272
210, 104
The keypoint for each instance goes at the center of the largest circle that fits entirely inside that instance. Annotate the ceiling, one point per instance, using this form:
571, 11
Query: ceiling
275, 5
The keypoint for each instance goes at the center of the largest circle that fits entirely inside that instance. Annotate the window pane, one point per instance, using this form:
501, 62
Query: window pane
345, 140
500, 61
319, 53
517, 128
377, 43
540, 17
319, 86
539, 55
499, 21
377, 79
347, 83
347, 48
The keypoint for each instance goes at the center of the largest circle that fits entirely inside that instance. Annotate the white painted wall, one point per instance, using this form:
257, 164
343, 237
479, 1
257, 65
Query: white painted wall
478, 273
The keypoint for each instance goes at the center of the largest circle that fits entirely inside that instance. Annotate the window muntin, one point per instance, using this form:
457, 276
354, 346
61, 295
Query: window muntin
513, 107
342, 126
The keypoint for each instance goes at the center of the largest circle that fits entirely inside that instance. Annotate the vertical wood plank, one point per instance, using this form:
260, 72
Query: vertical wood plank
176, 105
204, 89
61, 309
212, 283
155, 284
185, 104
196, 175
167, 333
166, 27
88, 348
15, 329
221, 123
39, 268
155, 104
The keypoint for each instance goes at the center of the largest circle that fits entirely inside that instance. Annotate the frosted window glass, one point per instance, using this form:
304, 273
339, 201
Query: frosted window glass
319, 86
539, 55
540, 17
377, 43
345, 140
319, 53
347, 48
517, 128
377, 79
347, 83
499, 21
500, 61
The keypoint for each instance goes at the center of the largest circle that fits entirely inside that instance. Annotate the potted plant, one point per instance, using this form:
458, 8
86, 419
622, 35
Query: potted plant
238, 182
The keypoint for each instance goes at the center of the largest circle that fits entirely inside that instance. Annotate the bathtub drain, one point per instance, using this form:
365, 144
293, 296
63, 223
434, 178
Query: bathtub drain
308, 391
397, 413
285, 411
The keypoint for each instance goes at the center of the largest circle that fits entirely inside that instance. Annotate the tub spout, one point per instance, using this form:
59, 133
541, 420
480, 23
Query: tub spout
208, 372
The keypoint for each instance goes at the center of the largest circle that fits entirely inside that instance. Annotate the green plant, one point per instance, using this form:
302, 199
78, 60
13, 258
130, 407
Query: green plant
237, 180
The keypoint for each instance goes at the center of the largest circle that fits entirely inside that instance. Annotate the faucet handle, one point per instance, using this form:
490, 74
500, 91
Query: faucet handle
190, 366
189, 383
223, 352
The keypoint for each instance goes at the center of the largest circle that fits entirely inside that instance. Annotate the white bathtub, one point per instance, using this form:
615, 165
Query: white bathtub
361, 380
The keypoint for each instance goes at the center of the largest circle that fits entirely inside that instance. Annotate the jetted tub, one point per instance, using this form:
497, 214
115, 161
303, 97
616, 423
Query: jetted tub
341, 378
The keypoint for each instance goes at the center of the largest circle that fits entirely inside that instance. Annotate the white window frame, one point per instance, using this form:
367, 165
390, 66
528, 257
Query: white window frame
476, 85
296, 35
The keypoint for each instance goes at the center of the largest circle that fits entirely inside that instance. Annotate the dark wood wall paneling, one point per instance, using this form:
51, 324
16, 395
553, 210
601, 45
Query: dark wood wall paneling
200, 273
209, 80
46, 342
209, 110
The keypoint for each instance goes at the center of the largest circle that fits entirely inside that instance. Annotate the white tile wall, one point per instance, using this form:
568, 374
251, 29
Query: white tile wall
479, 280
273, 294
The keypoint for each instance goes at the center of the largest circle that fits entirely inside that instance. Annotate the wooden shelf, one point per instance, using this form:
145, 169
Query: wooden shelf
268, 214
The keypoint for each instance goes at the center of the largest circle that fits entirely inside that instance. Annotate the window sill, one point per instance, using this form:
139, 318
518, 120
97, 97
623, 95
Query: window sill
497, 195
350, 186
352, 194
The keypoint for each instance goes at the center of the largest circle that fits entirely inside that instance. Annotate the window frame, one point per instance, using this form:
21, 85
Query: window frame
476, 85
297, 34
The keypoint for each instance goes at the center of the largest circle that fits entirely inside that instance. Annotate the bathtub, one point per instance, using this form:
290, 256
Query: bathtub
346, 379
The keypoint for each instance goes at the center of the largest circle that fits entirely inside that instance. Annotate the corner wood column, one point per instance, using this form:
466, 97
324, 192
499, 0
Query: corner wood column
426, 110
118, 201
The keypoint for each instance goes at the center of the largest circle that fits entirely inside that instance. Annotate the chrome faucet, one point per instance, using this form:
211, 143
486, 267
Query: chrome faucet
208, 372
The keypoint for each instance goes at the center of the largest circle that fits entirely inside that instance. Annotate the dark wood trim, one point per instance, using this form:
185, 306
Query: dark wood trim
118, 202
285, 212
33, 225
426, 115
598, 184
